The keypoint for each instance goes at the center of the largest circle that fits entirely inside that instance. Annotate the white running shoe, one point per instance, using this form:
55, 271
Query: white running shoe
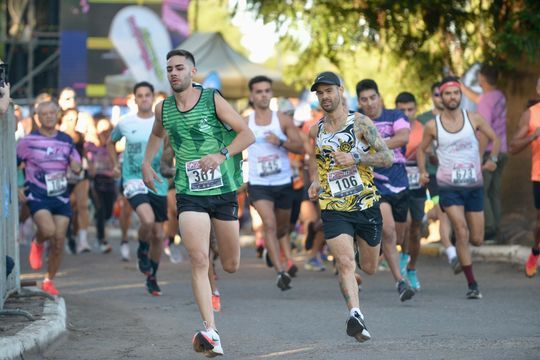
105, 248
124, 251
82, 246
207, 342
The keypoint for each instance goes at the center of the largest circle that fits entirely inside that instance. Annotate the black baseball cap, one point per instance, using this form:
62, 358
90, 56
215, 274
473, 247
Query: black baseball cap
326, 77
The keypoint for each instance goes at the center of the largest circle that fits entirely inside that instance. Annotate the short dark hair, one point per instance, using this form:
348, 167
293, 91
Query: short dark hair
181, 52
143, 84
405, 97
447, 79
435, 85
490, 73
366, 84
258, 79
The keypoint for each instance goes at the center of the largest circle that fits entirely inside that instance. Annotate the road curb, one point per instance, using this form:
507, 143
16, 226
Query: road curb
39, 334
515, 254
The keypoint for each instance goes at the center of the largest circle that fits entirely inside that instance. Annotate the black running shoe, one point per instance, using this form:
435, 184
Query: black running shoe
356, 327
143, 263
404, 290
293, 269
259, 251
152, 286
72, 246
266, 257
283, 281
474, 292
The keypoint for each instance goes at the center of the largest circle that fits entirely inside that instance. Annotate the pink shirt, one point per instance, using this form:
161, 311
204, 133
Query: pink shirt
492, 107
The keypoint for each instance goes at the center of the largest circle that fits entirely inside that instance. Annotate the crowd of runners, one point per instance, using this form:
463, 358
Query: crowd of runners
361, 187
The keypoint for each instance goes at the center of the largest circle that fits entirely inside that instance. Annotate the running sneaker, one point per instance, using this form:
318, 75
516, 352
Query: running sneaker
403, 261
71, 246
82, 246
259, 251
36, 255
531, 265
105, 247
48, 287
404, 290
314, 264
143, 263
152, 286
283, 281
207, 342
356, 327
124, 251
474, 292
266, 257
413, 279
216, 302
456, 265
293, 269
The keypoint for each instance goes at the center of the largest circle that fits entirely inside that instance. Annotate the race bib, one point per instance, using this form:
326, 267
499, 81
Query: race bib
56, 184
345, 182
134, 187
268, 165
463, 174
200, 180
413, 174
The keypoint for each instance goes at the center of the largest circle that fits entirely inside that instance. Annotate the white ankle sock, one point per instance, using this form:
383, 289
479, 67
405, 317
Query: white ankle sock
83, 236
356, 310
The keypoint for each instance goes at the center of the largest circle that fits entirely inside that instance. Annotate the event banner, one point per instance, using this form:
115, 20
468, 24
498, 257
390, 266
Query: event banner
106, 46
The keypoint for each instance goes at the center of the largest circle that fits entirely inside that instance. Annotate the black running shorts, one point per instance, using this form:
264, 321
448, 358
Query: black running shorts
366, 224
158, 204
400, 205
281, 195
222, 207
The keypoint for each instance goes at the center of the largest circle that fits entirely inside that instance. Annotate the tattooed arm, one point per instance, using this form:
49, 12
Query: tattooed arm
166, 165
365, 130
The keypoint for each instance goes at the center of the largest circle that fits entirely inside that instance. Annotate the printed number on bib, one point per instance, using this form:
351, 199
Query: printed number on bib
134, 187
56, 184
268, 165
413, 174
463, 174
345, 182
200, 180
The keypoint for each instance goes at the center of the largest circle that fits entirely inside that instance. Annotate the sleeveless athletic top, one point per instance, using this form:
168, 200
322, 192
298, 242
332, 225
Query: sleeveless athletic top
459, 159
534, 122
194, 134
343, 188
268, 164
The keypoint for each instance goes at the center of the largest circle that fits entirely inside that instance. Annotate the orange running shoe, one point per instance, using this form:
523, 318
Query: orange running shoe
531, 265
36, 255
48, 287
216, 302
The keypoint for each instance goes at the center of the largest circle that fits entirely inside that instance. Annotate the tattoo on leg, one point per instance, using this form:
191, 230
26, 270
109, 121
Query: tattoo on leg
345, 293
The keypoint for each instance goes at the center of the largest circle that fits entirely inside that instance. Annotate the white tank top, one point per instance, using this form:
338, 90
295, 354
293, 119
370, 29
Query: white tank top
459, 157
268, 164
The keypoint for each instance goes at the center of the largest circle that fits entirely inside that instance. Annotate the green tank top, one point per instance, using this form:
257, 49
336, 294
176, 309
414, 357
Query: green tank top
194, 134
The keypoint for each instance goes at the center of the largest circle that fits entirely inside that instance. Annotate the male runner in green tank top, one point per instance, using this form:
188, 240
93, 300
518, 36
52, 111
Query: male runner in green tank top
207, 137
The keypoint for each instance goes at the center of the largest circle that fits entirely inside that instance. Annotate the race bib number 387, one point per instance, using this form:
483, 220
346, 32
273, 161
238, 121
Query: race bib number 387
200, 180
345, 182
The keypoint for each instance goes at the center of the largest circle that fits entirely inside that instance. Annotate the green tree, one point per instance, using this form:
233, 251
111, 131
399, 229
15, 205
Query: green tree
412, 42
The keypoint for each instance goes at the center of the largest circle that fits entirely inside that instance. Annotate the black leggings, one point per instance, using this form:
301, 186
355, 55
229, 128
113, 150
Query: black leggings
103, 201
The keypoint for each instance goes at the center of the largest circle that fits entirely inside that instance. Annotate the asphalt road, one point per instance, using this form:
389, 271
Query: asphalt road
110, 315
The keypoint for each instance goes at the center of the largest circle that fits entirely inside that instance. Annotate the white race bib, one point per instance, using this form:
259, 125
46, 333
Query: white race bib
345, 182
413, 174
200, 180
463, 174
268, 165
56, 184
134, 187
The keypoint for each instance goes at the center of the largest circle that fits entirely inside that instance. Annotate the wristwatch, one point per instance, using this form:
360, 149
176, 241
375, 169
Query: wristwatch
356, 157
225, 152
493, 158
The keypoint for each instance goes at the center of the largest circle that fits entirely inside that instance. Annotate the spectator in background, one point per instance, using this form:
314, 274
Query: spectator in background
492, 107
4, 90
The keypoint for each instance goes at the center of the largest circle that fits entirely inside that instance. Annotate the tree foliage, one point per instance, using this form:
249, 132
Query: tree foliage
416, 40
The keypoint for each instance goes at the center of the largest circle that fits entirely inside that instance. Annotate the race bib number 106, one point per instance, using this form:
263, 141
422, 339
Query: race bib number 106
345, 182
